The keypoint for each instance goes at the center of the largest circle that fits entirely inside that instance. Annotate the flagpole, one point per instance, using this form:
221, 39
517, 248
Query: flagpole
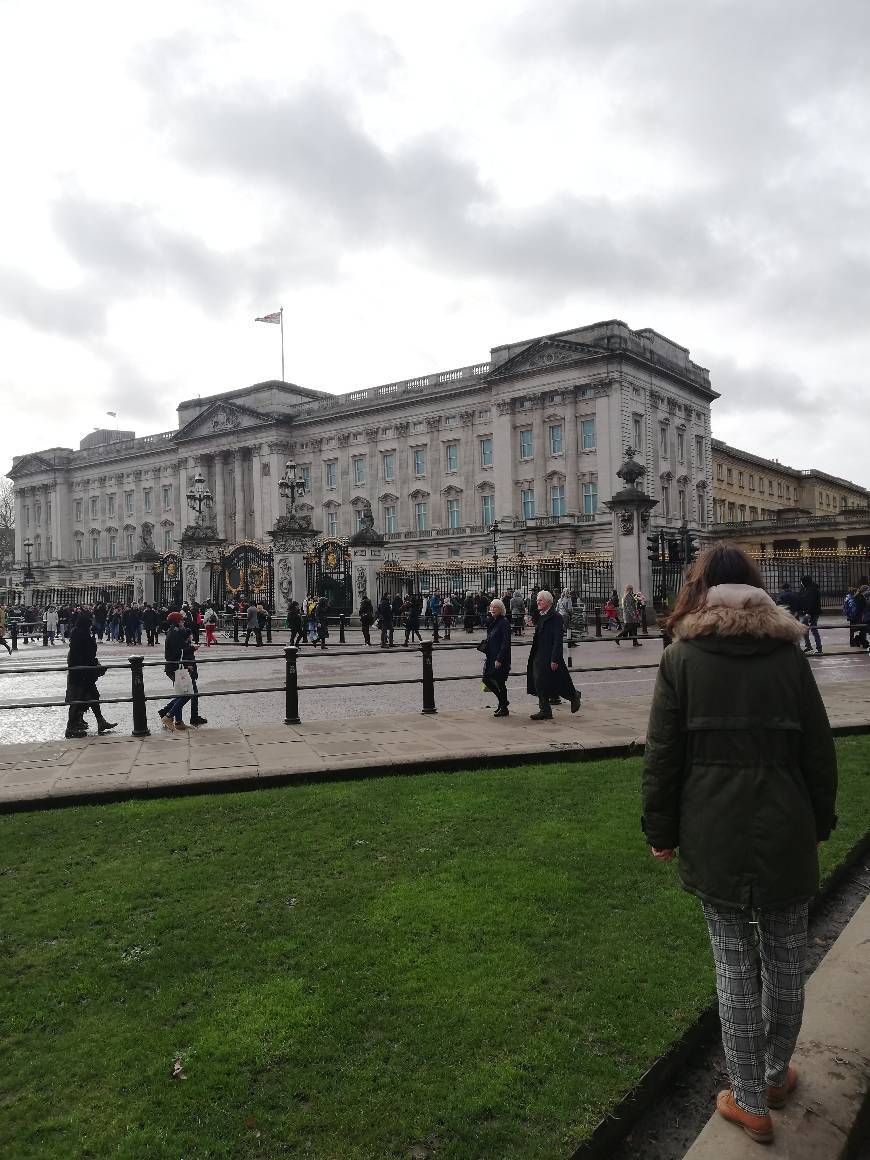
282, 343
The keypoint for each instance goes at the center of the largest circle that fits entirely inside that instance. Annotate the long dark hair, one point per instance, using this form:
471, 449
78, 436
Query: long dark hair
723, 563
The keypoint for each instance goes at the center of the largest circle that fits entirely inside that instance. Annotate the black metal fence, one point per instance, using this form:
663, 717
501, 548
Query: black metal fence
834, 572
591, 579
69, 594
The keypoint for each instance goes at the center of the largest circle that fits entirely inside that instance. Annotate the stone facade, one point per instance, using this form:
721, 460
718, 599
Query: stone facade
748, 488
533, 437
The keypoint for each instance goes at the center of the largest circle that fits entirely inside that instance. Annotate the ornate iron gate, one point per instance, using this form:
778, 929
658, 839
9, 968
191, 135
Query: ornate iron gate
244, 572
328, 573
168, 581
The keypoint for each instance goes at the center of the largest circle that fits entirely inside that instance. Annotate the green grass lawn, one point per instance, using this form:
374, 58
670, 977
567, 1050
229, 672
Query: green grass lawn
456, 965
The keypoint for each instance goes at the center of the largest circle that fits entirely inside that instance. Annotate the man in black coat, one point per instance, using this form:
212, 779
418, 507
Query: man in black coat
811, 610
385, 620
547, 674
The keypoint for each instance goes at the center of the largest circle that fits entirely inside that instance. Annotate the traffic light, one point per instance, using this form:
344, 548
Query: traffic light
675, 552
653, 547
691, 548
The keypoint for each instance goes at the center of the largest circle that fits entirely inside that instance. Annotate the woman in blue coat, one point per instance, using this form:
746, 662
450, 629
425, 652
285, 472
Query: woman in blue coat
497, 648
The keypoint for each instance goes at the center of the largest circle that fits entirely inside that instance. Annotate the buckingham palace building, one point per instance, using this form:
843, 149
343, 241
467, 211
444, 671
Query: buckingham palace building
531, 438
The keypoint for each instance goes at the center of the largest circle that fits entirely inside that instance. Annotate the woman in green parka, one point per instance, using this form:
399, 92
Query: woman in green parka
740, 777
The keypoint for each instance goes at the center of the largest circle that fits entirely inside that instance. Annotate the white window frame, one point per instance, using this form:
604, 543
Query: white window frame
527, 500
557, 499
556, 437
451, 458
486, 451
419, 454
421, 511
587, 428
590, 499
389, 518
388, 466
454, 513
487, 509
527, 443
330, 471
359, 469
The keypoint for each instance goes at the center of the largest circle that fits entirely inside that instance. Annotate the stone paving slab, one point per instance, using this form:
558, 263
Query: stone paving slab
832, 1058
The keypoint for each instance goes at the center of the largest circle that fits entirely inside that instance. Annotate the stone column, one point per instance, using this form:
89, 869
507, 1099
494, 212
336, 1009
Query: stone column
540, 451
472, 508
503, 460
61, 520
183, 512
345, 512
572, 454
239, 495
220, 511
257, 492
434, 472
19, 525
404, 483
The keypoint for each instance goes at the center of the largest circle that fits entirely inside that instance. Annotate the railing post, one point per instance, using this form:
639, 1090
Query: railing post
598, 622
140, 708
428, 678
15, 636
341, 628
236, 627
268, 628
291, 686
45, 634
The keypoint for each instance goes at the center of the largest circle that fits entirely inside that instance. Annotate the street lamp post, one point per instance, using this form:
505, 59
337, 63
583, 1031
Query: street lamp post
290, 487
199, 497
494, 531
29, 578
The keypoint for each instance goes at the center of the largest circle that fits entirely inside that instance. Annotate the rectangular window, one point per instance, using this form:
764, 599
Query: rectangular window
663, 441
681, 501
557, 499
732, 513
27, 517
305, 475
128, 503
110, 505
167, 497
453, 513
753, 513
451, 454
80, 550
528, 498
526, 445
488, 508
146, 500
556, 439
486, 452
37, 548
751, 482
359, 469
420, 516
681, 446
360, 516
38, 510
419, 461
95, 548
637, 427
740, 479
779, 488
741, 510
788, 491
666, 499
590, 499
770, 487
129, 543
78, 511
95, 507
167, 539
729, 476
720, 472
587, 434
389, 519
702, 509
113, 547
388, 466
332, 524
331, 474
699, 450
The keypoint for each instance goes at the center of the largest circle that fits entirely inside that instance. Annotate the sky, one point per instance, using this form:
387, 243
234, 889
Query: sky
416, 184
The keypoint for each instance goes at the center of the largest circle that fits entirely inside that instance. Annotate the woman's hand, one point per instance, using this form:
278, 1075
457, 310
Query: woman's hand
662, 855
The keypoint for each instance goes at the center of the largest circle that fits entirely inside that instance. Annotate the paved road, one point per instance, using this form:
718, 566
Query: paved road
255, 669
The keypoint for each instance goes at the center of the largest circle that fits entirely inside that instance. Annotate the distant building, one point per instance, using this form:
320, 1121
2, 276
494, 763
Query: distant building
533, 437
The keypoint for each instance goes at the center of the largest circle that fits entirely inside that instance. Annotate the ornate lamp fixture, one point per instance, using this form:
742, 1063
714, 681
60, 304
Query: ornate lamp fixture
290, 487
199, 498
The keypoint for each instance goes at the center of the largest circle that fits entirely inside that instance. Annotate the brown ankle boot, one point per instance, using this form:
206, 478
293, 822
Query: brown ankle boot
777, 1096
758, 1128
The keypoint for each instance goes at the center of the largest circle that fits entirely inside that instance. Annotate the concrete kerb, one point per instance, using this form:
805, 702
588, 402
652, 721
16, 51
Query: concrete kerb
652, 1084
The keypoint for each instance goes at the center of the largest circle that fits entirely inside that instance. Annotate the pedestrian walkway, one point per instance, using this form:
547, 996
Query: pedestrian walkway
198, 759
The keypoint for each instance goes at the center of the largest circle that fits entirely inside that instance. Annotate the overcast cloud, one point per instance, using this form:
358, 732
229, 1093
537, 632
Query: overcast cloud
416, 187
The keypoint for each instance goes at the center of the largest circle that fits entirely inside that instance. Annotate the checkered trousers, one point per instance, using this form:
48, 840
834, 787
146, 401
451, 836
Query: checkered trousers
759, 963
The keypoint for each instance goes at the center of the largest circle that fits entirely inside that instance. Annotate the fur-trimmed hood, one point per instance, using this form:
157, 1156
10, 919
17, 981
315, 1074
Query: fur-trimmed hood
739, 610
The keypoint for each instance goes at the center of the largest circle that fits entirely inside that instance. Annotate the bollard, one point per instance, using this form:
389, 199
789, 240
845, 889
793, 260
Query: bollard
235, 628
341, 628
269, 629
428, 678
15, 636
140, 709
291, 686
45, 634
598, 622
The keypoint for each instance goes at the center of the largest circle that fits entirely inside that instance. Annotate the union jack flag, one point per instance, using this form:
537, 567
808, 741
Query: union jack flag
276, 318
